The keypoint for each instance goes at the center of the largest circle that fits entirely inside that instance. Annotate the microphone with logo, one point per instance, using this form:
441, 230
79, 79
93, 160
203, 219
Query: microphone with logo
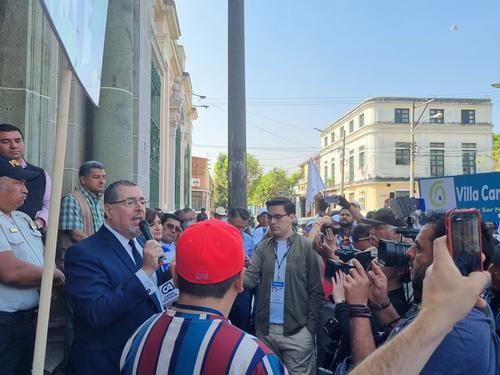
146, 232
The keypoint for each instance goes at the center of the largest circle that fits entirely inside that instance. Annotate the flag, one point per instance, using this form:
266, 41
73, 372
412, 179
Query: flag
314, 185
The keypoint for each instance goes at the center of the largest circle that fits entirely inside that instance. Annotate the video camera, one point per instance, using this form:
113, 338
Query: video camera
333, 266
394, 253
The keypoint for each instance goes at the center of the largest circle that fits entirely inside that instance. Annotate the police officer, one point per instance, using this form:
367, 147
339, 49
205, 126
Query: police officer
21, 262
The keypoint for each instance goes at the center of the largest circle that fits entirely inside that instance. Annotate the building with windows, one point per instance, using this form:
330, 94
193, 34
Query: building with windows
453, 136
201, 184
142, 128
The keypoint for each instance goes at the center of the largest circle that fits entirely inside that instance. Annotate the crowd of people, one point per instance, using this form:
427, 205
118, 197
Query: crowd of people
210, 293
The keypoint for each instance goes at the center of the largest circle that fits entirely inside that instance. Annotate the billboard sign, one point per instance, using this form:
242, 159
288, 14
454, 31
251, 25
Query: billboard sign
481, 191
80, 26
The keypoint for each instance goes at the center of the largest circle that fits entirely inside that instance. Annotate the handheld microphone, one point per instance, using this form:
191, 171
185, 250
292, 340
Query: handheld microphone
146, 232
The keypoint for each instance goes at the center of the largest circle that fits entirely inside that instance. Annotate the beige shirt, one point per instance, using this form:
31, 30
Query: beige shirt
19, 235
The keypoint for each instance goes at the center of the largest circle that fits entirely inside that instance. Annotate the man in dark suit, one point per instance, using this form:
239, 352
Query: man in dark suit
112, 283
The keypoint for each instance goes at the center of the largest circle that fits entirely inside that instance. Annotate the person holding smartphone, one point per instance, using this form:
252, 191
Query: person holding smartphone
470, 347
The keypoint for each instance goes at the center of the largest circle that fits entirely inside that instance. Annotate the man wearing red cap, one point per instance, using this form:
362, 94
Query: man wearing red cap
291, 290
196, 336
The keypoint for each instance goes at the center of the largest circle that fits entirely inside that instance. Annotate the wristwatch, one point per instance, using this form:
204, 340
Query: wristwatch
38, 225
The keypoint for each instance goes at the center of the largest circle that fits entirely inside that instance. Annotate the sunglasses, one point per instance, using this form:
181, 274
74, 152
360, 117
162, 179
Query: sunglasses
173, 227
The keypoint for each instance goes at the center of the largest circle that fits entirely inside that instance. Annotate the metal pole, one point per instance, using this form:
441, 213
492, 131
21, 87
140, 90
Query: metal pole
342, 167
237, 166
53, 224
412, 152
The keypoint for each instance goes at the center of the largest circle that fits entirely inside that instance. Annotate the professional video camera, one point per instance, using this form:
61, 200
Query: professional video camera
394, 253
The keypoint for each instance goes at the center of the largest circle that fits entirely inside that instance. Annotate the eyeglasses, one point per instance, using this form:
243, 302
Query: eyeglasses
364, 238
173, 227
131, 202
277, 216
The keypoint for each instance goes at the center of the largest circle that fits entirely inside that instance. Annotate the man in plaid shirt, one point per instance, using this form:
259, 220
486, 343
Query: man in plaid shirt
82, 212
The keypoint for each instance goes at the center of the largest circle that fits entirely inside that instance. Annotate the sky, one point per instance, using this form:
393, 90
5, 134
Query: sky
309, 62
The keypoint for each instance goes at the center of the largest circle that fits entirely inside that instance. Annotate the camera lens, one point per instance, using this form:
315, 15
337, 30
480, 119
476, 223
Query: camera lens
393, 253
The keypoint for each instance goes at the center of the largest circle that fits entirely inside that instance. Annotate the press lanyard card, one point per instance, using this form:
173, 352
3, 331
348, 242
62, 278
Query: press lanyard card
278, 292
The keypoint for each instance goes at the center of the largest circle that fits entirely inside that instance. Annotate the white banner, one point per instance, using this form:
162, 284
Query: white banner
80, 26
438, 193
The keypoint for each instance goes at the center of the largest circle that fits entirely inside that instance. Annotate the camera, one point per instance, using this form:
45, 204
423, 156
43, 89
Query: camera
346, 253
332, 329
333, 266
393, 253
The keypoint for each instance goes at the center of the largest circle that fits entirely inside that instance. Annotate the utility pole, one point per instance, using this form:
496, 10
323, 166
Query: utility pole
237, 166
413, 149
342, 166
412, 152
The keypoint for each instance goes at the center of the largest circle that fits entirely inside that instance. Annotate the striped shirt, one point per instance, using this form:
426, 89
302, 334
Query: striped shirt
181, 343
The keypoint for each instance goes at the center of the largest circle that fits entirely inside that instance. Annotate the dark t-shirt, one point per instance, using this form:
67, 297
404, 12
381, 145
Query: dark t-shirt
472, 347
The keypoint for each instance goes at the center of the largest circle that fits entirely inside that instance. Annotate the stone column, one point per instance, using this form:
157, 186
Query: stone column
25, 57
175, 119
113, 128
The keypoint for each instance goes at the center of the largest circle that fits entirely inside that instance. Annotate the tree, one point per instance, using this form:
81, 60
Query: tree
496, 146
221, 180
273, 184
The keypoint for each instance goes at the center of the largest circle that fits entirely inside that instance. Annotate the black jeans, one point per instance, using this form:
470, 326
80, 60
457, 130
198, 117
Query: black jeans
17, 342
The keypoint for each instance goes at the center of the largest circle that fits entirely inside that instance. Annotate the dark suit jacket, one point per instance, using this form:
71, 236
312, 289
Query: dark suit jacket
109, 302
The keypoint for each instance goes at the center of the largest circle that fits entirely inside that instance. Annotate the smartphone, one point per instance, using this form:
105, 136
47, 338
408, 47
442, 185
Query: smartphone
321, 236
331, 199
365, 258
463, 229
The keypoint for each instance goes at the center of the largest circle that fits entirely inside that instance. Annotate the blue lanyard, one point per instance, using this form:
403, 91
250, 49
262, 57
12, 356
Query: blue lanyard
282, 259
199, 308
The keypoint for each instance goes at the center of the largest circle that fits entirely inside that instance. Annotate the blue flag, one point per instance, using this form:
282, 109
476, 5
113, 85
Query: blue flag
315, 185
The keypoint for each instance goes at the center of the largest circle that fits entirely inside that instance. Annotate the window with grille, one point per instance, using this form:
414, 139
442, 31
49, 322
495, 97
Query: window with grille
402, 116
434, 112
402, 153
468, 116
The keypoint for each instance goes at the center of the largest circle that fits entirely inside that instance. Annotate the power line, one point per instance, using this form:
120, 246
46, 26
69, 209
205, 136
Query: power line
260, 128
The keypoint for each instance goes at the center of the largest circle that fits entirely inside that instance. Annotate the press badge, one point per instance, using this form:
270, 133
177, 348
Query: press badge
278, 292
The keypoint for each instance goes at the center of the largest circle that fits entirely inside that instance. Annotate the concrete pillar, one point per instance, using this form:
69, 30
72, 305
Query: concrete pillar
113, 128
142, 93
25, 57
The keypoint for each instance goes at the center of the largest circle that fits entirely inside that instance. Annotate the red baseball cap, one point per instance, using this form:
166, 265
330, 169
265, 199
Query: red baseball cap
209, 252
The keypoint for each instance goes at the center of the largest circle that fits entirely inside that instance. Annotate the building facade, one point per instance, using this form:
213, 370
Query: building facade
142, 128
201, 184
453, 136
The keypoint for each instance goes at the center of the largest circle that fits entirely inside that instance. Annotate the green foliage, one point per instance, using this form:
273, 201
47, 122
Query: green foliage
272, 184
496, 146
221, 180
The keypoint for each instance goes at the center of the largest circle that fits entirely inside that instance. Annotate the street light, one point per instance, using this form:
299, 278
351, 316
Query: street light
413, 127
496, 85
201, 106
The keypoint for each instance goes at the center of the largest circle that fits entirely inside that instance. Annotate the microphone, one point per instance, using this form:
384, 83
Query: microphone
146, 232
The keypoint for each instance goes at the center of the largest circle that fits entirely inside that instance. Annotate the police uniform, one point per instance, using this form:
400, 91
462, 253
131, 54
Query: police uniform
19, 234
18, 306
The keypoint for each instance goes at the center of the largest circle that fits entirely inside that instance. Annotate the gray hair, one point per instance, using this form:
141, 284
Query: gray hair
111, 192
